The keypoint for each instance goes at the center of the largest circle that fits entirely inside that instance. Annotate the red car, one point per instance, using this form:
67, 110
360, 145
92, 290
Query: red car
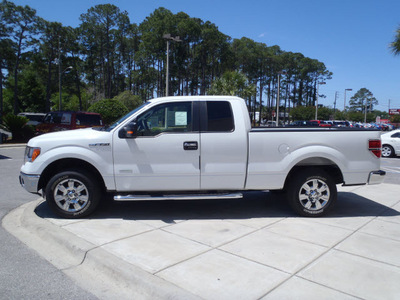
66, 120
321, 123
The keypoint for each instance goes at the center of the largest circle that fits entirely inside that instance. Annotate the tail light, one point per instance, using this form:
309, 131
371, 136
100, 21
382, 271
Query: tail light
375, 146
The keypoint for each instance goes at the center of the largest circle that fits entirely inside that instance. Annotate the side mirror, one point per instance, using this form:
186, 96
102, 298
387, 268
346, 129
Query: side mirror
129, 131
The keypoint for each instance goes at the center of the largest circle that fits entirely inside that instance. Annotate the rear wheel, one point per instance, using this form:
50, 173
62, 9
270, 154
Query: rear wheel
387, 151
312, 192
72, 194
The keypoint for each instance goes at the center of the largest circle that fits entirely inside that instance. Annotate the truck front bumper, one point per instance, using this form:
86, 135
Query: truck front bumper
29, 182
376, 177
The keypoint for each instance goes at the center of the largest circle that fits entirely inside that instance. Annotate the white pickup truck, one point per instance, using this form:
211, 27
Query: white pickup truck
198, 147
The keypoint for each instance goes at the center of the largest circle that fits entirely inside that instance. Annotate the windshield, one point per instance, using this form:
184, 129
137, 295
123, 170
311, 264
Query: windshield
111, 127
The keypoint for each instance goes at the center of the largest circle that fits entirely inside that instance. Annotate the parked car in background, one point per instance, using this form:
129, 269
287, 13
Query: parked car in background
67, 120
302, 124
321, 123
4, 134
34, 118
386, 127
270, 124
341, 123
391, 143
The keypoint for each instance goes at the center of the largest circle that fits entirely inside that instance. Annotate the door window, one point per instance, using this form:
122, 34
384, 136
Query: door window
54, 118
65, 119
166, 118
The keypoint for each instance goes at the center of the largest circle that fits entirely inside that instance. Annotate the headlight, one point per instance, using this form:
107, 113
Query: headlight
31, 153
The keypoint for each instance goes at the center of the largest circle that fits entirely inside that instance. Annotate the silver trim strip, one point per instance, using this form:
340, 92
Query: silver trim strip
178, 197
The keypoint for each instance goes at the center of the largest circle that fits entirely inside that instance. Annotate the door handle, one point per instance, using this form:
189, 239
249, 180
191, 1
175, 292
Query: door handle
190, 146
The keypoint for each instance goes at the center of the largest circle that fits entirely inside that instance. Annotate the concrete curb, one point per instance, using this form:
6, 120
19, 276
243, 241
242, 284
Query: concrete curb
12, 145
91, 267
59, 247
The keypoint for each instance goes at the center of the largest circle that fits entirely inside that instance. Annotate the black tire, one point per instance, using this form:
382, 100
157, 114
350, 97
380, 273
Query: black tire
311, 192
387, 151
72, 194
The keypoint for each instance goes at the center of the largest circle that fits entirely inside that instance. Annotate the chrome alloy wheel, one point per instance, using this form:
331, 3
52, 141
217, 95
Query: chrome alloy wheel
387, 151
71, 195
314, 194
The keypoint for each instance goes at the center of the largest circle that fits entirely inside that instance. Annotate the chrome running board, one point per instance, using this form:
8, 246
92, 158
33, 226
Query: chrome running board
178, 197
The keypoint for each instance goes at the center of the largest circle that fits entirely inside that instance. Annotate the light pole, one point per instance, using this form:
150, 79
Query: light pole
365, 110
169, 38
58, 62
344, 107
316, 102
278, 96
59, 82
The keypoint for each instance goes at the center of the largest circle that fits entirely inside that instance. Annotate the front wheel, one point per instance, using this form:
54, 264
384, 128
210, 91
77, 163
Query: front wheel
312, 192
72, 194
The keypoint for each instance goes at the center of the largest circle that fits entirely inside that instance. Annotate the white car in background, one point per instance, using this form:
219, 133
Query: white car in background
391, 143
34, 118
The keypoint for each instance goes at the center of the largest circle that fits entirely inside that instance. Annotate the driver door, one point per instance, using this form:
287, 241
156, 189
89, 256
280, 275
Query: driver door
165, 153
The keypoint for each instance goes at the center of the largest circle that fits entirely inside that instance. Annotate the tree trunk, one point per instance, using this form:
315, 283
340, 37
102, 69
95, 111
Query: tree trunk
16, 100
1, 91
261, 94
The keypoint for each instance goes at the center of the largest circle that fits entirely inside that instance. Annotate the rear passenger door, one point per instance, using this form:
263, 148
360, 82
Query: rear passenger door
223, 147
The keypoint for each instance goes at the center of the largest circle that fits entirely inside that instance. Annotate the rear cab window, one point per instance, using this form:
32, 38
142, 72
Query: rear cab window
219, 116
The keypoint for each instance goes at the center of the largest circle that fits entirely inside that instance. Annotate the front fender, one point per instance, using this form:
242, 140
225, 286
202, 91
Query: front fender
99, 158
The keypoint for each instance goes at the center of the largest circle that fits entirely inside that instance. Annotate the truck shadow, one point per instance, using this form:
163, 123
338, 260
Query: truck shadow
253, 205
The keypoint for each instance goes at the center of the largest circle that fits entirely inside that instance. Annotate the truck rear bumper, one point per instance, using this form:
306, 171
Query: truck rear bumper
29, 182
376, 177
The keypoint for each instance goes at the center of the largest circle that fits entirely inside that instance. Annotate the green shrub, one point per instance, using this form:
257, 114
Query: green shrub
110, 110
18, 128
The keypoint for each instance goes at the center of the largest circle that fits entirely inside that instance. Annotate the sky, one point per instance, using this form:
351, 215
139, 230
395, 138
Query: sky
351, 37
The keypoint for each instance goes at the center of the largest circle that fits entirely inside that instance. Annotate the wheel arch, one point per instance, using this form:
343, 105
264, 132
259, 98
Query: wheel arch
68, 164
387, 144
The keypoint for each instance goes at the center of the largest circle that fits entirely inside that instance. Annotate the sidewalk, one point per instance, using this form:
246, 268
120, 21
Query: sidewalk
253, 248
